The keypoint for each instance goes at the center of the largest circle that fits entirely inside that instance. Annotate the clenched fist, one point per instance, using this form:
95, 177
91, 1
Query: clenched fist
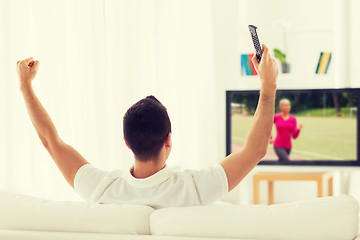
27, 70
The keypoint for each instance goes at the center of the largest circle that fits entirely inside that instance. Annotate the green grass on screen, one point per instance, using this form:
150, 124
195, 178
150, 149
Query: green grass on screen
322, 138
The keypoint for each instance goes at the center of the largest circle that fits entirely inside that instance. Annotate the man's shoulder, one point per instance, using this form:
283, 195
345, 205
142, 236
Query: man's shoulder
94, 171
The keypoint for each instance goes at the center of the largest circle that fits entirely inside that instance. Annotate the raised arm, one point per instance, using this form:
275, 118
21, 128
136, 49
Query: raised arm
66, 158
238, 165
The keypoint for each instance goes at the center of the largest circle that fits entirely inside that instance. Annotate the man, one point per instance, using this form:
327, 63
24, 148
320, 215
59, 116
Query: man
147, 132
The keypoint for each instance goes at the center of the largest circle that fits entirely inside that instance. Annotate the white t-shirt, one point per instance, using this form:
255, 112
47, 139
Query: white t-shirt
166, 188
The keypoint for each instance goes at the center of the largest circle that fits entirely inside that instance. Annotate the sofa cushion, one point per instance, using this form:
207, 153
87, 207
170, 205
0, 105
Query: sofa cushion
41, 235
21, 212
330, 218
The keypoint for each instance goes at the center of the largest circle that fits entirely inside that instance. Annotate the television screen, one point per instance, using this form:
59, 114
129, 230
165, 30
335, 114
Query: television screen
311, 127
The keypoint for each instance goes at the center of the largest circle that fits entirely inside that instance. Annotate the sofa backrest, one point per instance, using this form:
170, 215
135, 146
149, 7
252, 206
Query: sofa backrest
21, 212
330, 218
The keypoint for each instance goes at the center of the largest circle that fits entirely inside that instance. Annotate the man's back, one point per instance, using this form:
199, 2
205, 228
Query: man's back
166, 188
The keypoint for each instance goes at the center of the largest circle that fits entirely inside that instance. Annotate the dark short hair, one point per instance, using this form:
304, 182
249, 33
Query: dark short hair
146, 126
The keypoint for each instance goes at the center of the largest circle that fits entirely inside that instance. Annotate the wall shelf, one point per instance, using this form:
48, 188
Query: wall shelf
319, 31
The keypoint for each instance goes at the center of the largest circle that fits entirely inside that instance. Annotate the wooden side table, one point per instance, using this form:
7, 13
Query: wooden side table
270, 177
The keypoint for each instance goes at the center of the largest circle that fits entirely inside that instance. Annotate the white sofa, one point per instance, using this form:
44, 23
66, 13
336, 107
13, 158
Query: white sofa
25, 217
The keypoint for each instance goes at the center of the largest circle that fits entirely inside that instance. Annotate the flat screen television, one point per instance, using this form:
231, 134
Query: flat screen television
329, 135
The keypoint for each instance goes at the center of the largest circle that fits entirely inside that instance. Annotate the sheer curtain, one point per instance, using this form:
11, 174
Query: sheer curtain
96, 59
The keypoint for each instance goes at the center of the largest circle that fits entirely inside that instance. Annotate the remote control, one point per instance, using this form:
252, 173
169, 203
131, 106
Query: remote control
256, 42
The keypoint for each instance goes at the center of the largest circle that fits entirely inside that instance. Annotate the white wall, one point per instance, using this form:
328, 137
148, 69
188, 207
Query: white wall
98, 58
315, 27
354, 26
179, 47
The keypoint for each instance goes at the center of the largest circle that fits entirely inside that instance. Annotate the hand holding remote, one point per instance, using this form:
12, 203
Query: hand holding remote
267, 70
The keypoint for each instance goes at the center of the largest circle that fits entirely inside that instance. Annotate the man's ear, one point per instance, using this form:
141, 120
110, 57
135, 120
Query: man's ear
126, 143
168, 142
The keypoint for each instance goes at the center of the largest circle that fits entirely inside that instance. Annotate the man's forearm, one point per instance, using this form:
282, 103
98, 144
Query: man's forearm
237, 165
39, 117
66, 157
261, 126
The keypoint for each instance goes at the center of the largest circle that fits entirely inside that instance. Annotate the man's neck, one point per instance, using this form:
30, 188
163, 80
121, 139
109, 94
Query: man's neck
146, 169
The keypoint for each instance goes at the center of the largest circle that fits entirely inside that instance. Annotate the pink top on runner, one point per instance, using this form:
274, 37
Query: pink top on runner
285, 129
